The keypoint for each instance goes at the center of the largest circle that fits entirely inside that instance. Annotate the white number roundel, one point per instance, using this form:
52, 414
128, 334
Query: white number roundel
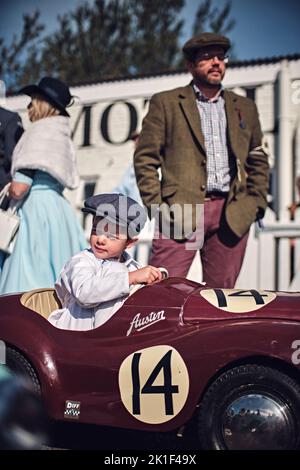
154, 384
238, 300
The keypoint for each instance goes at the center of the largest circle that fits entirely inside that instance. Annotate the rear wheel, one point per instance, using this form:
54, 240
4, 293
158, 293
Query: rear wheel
19, 365
23, 422
251, 407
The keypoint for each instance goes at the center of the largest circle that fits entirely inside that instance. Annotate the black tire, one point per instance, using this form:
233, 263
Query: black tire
251, 407
23, 423
19, 365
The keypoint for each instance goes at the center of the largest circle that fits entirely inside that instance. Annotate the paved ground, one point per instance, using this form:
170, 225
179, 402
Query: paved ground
82, 436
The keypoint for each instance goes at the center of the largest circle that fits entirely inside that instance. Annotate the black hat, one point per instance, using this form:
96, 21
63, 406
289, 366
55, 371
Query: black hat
53, 90
204, 40
118, 209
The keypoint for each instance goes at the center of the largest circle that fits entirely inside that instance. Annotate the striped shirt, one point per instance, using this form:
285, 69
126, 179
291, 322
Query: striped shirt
213, 125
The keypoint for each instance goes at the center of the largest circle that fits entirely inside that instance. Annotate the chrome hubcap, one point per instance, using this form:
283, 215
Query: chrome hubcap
257, 421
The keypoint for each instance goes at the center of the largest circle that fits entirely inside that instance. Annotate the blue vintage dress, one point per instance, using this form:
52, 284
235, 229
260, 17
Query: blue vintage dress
49, 235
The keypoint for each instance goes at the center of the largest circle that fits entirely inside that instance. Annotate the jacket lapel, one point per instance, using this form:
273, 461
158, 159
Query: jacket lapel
188, 103
233, 124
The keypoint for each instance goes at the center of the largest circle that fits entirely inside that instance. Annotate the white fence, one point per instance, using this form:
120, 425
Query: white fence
272, 259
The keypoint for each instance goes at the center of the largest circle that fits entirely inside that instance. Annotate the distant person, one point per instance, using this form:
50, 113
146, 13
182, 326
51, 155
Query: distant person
11, 130
43, 164
94, 284
208, 143
295, 204
128, 184
295, 284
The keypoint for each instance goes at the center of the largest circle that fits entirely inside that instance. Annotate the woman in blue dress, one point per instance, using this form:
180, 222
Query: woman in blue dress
43, 164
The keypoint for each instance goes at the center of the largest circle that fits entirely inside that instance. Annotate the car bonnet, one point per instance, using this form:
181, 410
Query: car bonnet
226, 304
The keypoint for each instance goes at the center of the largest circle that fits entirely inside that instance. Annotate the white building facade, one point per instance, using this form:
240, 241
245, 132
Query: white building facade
105, 114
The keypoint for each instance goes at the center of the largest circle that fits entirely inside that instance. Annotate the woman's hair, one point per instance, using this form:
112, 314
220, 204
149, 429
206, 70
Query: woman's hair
40, 108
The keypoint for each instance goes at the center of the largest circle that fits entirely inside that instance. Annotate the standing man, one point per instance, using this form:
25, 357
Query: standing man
128, 184
208, 144
11, 130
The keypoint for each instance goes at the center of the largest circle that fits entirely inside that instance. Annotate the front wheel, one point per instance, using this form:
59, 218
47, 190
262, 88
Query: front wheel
251, 407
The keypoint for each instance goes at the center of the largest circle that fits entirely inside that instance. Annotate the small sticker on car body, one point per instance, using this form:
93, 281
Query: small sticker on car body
72, 409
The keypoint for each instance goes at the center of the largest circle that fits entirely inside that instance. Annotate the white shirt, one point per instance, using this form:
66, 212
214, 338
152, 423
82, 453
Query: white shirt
91, 290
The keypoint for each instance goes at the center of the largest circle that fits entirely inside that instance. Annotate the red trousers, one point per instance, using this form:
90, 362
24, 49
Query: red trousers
222, 252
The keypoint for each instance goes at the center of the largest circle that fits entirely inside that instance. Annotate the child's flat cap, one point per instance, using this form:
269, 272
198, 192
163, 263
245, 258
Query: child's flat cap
118, 209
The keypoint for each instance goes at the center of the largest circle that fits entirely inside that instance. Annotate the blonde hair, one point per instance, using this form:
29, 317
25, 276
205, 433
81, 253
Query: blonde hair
40, 108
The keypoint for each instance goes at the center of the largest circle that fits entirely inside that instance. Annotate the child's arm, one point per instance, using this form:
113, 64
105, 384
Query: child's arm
146, 275
90, 285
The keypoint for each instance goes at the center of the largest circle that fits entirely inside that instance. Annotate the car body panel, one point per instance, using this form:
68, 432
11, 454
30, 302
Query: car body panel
171, 321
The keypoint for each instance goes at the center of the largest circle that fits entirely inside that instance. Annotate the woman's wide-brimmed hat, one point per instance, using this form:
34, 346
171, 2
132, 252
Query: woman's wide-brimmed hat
54, 91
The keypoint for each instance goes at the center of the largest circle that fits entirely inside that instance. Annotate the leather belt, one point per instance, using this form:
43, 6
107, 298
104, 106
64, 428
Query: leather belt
215, 195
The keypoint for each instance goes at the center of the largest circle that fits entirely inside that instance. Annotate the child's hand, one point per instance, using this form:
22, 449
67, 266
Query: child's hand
146, 275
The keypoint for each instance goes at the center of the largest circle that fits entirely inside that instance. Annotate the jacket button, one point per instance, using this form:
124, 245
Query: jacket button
203, 163
203, 187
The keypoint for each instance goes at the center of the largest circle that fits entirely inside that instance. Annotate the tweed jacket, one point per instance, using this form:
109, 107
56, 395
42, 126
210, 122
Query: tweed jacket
171, 139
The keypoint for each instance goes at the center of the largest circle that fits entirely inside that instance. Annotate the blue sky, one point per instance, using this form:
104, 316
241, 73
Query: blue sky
263, 28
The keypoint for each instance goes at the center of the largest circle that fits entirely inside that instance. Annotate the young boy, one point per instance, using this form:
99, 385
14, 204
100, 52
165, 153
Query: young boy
94, 283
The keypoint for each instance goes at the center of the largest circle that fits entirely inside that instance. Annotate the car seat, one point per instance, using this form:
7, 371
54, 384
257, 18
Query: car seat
42, 301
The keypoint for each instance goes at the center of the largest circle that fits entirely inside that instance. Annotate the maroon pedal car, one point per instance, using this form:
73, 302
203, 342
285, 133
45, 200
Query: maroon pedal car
177, 352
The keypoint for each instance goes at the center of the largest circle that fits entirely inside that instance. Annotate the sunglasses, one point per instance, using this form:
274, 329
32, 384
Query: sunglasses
211, 55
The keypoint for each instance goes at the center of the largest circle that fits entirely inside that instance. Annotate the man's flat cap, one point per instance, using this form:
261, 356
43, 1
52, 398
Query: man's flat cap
117, 209
205, 40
